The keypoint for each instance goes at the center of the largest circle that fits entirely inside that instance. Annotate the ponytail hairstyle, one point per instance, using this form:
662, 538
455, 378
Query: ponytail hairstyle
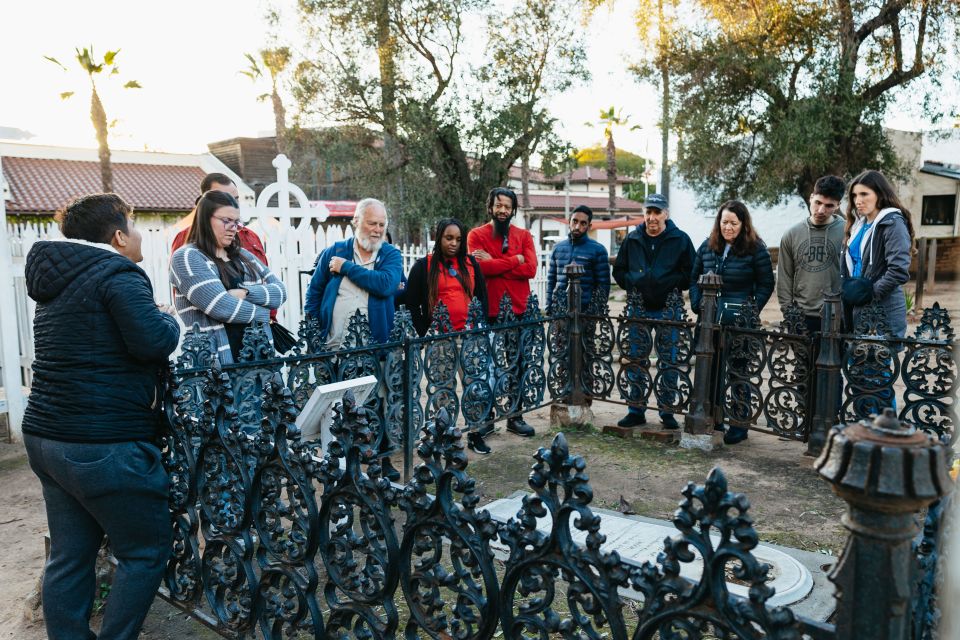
437, 263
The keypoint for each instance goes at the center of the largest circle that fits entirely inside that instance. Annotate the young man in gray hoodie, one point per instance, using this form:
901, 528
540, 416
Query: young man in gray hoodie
809, 262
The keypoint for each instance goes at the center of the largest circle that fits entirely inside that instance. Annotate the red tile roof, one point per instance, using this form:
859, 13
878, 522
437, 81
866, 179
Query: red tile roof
40, 185
551, 203
337, 208
588, 175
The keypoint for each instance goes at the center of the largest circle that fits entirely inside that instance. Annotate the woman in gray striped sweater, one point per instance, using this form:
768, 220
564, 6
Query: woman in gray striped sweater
217, 284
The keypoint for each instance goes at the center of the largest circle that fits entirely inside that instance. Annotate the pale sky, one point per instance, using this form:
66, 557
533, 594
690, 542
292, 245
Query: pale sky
188, 54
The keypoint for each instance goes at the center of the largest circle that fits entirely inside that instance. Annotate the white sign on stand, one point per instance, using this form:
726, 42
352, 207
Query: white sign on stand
317, 414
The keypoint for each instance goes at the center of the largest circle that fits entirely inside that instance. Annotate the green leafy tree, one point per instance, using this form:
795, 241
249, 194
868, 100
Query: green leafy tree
275, 61
445, 129
93, 66
775, 94
628, 164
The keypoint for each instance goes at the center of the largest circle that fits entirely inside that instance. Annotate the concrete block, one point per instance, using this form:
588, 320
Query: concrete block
702, 441
570, 415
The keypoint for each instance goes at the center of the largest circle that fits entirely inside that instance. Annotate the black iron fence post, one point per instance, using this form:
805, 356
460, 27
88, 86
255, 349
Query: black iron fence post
828, 385
575, 409
574, 272
886, 472
698, 425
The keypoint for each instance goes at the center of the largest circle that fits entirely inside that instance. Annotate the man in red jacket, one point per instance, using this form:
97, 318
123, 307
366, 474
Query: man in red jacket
249, 240
508, 261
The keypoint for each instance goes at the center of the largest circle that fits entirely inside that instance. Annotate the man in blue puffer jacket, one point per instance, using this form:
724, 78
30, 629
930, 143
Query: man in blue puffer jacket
93, 420
655, 259
580, 248
362, 273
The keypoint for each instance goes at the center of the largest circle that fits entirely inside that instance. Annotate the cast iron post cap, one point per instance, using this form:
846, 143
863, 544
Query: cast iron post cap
884, 464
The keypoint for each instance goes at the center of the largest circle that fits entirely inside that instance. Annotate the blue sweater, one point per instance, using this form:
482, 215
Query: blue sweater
596, 268
380, 282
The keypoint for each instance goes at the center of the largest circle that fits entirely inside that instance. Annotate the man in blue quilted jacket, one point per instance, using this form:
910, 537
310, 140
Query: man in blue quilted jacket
580, 248
655, 259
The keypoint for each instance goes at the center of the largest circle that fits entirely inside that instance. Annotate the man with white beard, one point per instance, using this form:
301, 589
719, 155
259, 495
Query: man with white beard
362, 273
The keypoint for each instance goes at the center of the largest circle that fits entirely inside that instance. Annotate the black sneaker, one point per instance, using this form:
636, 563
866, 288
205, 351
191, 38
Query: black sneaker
476, 444
632, 420
669, 422
518, 426
735, 435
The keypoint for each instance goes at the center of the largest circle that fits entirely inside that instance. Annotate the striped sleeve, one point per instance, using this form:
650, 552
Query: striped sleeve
268, 291
195, 277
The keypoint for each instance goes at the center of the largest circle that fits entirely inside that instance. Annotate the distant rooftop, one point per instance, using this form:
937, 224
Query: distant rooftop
942, 169
43, 185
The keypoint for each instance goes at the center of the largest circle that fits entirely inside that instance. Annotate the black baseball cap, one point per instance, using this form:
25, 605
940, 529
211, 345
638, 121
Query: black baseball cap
655, 201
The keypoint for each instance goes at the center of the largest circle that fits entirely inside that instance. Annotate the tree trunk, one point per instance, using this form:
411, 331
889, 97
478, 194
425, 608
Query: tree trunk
611, 175
280, 120
525, 181
99, 118
664, 40
386, 53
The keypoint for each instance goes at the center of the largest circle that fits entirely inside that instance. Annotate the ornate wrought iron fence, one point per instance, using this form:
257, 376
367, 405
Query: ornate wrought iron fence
767, 374
632, 342
270, 536
875, 365
289, 543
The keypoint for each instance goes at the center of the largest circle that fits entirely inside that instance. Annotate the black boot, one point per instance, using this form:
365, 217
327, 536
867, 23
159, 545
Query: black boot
518, 426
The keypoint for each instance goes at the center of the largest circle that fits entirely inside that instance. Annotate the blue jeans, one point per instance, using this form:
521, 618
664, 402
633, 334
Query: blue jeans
118, 489
670, 376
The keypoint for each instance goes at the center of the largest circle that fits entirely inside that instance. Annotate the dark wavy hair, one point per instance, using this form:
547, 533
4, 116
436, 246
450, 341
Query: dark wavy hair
501, 191
201, 234
747, 241
886, 199
437, 261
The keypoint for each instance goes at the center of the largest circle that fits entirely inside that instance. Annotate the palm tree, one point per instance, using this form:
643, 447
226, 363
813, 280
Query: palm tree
276, 61
90, 65
610, 118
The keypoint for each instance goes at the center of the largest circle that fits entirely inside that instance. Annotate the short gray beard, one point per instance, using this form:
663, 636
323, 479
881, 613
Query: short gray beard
368, 243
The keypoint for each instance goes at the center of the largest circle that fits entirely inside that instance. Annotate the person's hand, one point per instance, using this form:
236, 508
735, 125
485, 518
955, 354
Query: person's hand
521, 258
239, 294
336, 262
167, 309
482, 255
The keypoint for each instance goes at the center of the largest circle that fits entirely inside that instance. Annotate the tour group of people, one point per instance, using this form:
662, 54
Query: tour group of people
102, 343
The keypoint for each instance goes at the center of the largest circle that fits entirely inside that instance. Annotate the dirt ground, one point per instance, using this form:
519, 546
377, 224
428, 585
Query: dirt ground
790, 504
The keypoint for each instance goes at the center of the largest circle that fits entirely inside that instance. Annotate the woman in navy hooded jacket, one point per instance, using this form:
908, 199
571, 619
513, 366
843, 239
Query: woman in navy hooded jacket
877, 248
736, 253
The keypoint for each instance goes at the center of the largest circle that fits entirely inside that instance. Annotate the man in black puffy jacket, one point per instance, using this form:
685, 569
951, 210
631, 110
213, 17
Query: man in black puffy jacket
655, 259
92, 420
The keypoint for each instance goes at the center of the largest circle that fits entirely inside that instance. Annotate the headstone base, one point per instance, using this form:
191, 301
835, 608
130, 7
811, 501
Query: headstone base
570, 415
703, 441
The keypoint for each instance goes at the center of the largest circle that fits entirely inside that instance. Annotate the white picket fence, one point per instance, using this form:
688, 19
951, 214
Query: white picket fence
291, 251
